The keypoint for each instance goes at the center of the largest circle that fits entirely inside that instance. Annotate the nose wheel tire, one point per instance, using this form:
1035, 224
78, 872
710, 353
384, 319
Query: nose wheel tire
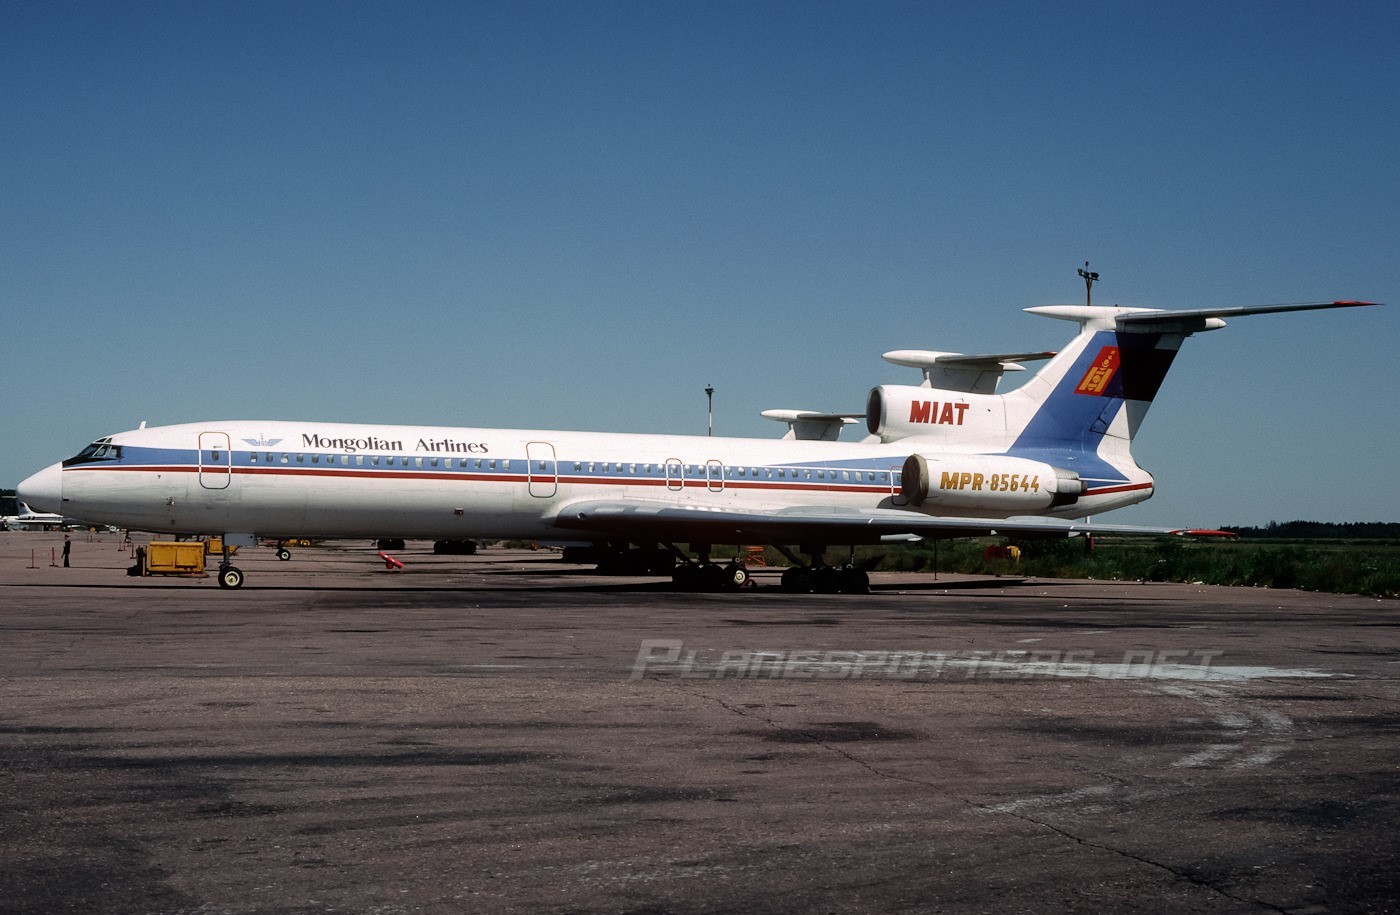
284, 554
230, 577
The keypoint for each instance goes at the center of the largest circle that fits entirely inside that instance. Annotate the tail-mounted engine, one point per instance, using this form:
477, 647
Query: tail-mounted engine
896, 411
1013, 485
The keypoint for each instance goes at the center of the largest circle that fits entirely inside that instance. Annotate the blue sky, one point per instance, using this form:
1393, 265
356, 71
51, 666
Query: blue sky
577, 215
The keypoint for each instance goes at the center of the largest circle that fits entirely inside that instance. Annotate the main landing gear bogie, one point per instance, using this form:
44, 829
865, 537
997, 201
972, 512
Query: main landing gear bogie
710, 576
825, 580
637, 561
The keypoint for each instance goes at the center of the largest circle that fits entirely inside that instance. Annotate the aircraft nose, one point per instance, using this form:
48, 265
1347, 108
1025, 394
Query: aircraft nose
43, 491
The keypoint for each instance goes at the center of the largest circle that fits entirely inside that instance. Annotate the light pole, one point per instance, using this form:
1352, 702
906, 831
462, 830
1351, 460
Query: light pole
1089, 280
710, 398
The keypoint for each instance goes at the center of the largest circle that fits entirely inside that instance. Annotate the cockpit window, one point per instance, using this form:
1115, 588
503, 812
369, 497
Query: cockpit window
100, 450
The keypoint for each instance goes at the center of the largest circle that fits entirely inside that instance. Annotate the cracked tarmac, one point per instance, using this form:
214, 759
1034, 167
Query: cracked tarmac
506, 733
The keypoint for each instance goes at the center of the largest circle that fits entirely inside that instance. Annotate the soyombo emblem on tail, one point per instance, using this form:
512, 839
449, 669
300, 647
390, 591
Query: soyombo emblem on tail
1100, 373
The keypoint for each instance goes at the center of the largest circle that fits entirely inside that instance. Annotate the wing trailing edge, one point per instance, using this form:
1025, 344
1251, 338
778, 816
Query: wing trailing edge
662, 521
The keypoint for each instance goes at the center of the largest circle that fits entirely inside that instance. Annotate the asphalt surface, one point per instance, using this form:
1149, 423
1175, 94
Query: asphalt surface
505, 733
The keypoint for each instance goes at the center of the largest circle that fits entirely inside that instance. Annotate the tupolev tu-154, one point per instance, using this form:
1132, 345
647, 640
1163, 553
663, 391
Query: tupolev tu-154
949, 457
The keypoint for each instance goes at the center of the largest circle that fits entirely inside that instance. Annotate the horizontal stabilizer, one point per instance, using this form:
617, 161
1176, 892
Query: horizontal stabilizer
809, 425
976, 374
1167, 321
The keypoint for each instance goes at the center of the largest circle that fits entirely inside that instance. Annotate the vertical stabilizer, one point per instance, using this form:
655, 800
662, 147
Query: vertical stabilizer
1089, 401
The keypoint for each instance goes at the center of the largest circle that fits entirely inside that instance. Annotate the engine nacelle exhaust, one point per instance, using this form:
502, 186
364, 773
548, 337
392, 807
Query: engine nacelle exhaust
986, 482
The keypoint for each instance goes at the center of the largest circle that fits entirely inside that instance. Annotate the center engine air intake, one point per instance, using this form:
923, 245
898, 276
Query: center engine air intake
991, 483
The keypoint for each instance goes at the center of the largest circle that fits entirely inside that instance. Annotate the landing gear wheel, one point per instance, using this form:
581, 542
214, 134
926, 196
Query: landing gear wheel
826, 580
686, 577
713, 578
797, 581
735, 576
283, 553
854, 581
661, 562
230, 577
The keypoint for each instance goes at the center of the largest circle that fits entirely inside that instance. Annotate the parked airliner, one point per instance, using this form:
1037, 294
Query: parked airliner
947, 458
30, 520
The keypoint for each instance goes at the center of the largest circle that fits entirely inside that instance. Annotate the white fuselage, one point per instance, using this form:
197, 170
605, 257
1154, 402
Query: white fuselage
283, 479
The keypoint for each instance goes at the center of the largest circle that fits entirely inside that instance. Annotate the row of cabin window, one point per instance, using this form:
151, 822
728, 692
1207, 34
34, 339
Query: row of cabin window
697, 471
374, 460
691, 470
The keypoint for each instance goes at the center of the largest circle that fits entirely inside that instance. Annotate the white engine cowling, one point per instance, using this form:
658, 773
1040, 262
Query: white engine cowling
895, 411
989, 483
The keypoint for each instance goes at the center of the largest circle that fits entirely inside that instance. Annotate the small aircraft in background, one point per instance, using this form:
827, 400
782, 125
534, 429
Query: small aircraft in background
30, 520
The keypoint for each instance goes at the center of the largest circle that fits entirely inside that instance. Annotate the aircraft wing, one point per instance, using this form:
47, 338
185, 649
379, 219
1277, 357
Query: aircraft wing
814, 524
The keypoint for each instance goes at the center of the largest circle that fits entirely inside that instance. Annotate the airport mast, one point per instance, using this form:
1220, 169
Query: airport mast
1089, 280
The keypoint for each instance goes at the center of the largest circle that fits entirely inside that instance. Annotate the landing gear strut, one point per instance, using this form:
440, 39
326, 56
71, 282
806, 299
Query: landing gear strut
229, 575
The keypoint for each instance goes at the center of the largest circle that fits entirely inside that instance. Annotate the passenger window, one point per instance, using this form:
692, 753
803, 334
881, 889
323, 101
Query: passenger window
315, 459
252, 457
493, 465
